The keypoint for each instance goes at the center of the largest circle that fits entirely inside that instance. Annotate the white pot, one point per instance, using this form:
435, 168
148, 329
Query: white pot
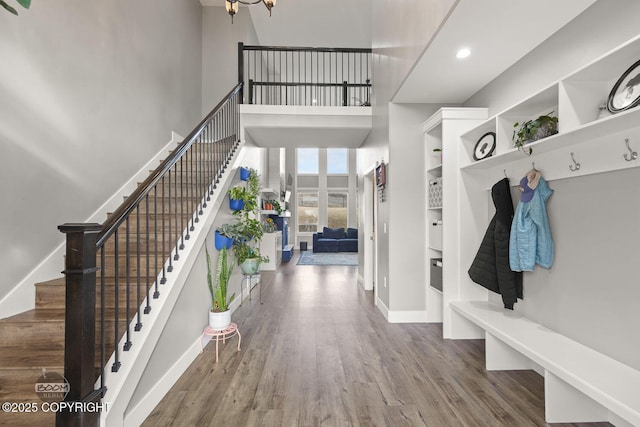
219, 321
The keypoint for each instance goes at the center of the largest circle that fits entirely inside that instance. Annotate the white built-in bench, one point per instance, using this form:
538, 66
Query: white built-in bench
580, 384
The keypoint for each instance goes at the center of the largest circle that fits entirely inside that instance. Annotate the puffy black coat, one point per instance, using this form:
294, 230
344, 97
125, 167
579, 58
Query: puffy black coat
490, 268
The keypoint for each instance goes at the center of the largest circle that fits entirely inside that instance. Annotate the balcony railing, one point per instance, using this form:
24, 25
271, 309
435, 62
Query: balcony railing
305, 76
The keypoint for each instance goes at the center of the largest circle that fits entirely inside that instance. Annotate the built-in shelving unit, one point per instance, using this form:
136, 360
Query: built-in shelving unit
586, 144
598, 144
441, 132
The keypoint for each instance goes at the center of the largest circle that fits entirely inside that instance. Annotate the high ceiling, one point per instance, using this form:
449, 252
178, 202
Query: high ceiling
499, 32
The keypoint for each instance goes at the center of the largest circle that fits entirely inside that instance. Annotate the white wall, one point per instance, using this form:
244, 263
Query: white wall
590, 294
220, 41
90, 91
406, 200
400, 35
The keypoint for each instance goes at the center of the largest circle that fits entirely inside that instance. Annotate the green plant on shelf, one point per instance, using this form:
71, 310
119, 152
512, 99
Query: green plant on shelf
533, 130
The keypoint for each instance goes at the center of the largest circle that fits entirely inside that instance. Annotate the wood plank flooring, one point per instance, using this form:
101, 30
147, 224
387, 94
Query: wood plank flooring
319, 353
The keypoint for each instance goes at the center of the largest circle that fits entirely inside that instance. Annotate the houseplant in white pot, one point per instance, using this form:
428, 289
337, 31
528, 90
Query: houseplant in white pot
219, 315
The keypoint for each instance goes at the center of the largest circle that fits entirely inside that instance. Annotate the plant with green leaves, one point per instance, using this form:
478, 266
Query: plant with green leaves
254, 183
244, 251
532, 130
276, 206
238, 193
218, 290
24, 3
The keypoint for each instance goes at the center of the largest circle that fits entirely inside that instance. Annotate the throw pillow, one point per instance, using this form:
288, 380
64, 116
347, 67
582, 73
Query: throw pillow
352, 233
333, 233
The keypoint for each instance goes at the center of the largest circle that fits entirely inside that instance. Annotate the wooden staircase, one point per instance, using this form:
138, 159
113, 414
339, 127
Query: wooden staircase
34, 340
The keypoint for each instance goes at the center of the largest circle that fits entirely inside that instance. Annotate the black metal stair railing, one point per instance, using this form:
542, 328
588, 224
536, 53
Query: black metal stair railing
115, 270
305, 76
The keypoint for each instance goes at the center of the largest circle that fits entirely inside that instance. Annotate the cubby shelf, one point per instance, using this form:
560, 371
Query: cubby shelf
592, 130
575, 100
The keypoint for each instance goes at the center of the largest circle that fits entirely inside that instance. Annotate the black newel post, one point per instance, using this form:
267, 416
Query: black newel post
80, 322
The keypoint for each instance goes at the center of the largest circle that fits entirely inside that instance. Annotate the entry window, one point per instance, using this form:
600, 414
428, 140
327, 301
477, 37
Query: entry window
307, 212
337, 209
307, 159
337, 161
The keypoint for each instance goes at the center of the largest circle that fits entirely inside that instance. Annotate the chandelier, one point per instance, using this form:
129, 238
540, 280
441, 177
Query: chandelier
232, 5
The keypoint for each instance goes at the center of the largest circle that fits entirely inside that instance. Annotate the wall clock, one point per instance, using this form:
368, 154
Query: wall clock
485, 146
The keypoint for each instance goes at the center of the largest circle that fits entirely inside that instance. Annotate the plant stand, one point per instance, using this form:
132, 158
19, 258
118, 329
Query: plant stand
227, 333
248, 278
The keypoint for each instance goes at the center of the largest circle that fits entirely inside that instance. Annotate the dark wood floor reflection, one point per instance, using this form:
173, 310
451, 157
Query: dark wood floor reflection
318, 352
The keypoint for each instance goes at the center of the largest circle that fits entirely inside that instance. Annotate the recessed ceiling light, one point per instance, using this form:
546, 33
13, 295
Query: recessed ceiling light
463, 53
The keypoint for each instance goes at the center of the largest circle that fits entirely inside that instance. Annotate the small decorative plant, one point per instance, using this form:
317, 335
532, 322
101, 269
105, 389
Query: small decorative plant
218, 290
244, 252
276, 206
269, 226
238, 193
24, 3
533, 130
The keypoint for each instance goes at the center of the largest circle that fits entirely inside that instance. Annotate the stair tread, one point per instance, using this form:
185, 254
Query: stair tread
17, 358
37, 315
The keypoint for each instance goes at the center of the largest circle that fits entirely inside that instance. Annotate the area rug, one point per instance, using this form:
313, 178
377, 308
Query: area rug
328, 258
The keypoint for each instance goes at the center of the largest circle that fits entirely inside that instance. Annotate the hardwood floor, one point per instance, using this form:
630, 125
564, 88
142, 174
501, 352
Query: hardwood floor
318, 352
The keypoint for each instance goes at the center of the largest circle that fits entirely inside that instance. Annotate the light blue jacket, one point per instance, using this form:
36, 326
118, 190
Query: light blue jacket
530, 242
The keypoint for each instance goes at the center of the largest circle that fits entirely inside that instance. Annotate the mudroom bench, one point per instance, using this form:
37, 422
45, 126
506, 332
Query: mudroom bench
580, 384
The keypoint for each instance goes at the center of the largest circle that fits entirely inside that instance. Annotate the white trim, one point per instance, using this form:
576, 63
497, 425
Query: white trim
407, 316
23, 296
141, 411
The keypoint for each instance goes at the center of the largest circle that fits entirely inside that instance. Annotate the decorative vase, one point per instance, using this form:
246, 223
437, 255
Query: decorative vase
219, 320
244, 174
222, 241
236, 204
250, 266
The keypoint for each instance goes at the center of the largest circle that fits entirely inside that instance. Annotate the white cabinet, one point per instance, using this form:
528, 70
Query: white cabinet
442, 134
271, 246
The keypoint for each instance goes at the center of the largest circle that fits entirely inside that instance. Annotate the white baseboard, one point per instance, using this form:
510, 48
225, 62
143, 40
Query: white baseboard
141, 411
419, 316
23, 296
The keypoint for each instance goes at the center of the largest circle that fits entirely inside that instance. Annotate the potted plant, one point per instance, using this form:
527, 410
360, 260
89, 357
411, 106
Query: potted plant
219, 315
533, 130
248, 231
276, 206
249, 257
269, 226
223, 237
237, 198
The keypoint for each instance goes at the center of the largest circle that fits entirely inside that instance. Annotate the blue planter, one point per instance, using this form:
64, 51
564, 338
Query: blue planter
222, 241
236, 205
244, 174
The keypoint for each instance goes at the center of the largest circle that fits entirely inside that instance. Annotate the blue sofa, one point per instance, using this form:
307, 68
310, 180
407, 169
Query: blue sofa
336, 240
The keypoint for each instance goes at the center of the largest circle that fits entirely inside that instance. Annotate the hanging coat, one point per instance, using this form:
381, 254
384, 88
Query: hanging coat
490, 268
530, 241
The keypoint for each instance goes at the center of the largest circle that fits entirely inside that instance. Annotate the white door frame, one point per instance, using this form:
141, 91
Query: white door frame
370, 217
